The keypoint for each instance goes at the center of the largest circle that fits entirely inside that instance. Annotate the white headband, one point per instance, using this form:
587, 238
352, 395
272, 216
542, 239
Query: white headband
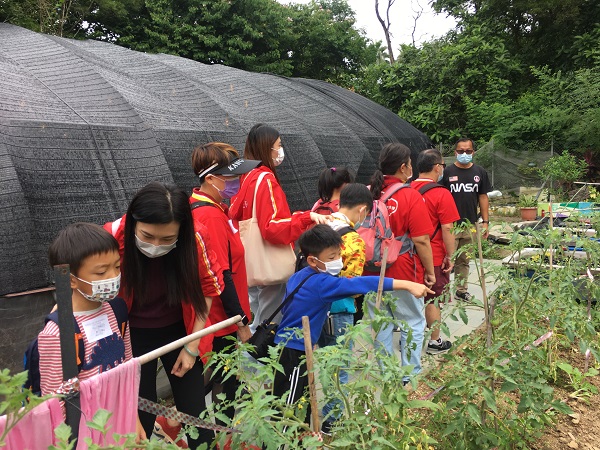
205, 172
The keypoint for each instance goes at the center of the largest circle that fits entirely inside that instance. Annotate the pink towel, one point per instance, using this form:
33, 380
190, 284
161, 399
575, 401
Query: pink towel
116, 391
44, 418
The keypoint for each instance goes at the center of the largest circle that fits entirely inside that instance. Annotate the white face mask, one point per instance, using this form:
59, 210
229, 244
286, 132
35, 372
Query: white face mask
151, 250
332, 267
410, 173
280, 155
360, 221
102, 290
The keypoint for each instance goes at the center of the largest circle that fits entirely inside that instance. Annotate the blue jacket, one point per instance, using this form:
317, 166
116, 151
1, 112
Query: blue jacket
314, 300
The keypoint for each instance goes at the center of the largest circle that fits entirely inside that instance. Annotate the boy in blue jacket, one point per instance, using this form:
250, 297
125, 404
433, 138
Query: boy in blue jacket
322, 247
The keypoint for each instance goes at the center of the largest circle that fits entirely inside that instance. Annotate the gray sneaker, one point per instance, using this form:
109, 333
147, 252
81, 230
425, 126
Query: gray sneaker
440, 346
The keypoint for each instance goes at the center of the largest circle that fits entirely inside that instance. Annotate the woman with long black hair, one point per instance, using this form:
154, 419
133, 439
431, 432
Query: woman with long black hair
163, 289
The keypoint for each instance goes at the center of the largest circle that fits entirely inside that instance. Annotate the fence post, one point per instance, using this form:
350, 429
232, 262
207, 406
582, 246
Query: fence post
551, 181
493, 162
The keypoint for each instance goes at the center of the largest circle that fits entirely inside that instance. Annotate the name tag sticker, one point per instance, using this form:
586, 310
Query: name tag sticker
98, 328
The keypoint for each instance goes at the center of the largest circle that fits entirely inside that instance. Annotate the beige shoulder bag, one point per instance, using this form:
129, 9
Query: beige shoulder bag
266, 263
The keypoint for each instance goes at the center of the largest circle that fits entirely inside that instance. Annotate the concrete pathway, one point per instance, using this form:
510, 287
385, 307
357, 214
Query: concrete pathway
474, 313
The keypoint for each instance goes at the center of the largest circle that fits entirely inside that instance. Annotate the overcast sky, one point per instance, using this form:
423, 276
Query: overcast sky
402, 15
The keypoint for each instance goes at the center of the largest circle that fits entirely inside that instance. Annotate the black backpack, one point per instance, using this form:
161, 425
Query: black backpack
31, 360
301, 259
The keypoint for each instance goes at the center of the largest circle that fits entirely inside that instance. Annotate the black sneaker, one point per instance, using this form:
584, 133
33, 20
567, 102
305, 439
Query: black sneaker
326, 427
464, 296
440, 346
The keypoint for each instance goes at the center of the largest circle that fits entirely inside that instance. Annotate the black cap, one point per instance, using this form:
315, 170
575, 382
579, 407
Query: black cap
238, 166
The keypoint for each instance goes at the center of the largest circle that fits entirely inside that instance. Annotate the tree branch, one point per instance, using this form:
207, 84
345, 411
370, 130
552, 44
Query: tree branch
386, 27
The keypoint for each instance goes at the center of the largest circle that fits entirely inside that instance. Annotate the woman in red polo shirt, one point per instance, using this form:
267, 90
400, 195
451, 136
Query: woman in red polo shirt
218, 167
408, 214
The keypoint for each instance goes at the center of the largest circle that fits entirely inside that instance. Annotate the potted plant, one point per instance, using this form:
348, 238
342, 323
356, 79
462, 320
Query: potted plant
528, 206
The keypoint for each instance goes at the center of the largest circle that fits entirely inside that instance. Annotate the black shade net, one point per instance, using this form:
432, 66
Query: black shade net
85, 124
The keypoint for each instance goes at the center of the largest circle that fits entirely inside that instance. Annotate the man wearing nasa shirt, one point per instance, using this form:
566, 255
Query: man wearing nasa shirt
469, 185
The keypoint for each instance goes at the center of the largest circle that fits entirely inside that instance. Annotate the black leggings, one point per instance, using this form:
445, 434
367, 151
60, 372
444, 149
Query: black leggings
188, 391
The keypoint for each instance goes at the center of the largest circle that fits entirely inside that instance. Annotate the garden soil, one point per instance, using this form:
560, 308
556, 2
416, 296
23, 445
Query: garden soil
581, 430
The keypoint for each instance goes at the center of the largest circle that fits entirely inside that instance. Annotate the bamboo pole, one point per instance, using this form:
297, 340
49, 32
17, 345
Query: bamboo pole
488, 325
314, 409
380, 288
157, 353
486, 309
381, 278
62, 279
551, 225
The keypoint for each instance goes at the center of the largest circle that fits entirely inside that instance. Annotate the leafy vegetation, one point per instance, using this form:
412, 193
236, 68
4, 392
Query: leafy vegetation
315, 40
496, 389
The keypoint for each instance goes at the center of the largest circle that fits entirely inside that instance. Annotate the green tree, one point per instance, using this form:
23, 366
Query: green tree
324, 41
432, 86
241, 33
538, 32
564, 107
318, 40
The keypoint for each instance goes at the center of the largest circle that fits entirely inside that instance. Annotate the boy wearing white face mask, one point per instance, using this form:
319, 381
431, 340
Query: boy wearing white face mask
93, 257
355, 203
322, 247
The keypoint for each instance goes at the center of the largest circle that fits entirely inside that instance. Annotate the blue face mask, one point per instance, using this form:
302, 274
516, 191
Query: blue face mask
464, 158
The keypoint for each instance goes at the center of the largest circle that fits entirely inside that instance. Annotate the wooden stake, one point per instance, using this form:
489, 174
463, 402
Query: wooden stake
314, 409
380, 289
483, 289
551, 224
381, 278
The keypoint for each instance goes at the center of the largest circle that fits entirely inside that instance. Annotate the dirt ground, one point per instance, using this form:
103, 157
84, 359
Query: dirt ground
581, 430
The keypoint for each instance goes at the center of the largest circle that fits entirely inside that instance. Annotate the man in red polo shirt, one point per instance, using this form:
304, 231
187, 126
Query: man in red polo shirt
443, 214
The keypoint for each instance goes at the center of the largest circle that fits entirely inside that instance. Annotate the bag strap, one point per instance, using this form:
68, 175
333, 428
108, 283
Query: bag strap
429, 186
287, 299
79, 344
260, 178
345, 230
119, 308
201, 203
426, 188
392, 190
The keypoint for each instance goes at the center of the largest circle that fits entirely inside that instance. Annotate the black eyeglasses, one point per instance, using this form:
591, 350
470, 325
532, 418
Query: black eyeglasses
441, 164
468, 152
